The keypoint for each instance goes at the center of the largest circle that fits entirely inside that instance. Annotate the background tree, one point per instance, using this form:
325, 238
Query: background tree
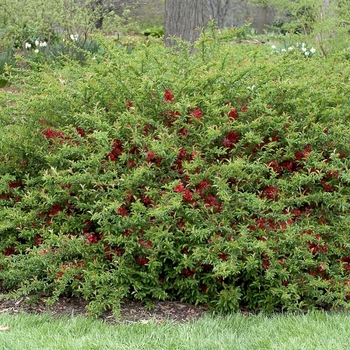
184, 19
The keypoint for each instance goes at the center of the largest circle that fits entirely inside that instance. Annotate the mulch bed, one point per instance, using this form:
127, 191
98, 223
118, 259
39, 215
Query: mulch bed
132, 311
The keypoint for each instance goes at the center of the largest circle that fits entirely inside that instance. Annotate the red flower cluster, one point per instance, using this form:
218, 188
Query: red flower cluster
116, 151
211, 202
93, 238
55, 209
123, 211
187, 194
144, 243
270, 192
188, 272
197, 113
52, 134
9, 251
141, 260
171, 117
81, 131
232, 114
116, 251
168, 96
231, 139
316, 247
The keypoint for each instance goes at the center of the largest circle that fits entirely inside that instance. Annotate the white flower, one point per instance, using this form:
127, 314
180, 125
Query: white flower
290, 48
27, 46
303, 44
307, 53
74, 37
312, 50
36, 42
36, 50
283, 50
304, 49
273, 47
43, 44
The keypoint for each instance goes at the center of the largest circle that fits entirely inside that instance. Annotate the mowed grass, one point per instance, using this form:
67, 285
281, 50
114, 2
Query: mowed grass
317, 330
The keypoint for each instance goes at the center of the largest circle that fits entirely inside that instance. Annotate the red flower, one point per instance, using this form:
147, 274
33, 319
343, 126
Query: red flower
327, 187
168, 96
179, 188
316, 247
207, 267
188, 272
151, 156
232, 114
122, 211
171, 117
80, 131
183, 131
231, 139
266, 264
332, 174
201, 186
15, 184
299, 155
9, 251
38, 240
146, 129
197, 113
222, 256
51, 134
180, 224
130, 164
141, 260
144, 243
109, 253
212, 202
288, 165
270, 192
346, 261
182, 154
92, 238
187, 196
55, 209
116, 151
126, 233
146, 200
128, 104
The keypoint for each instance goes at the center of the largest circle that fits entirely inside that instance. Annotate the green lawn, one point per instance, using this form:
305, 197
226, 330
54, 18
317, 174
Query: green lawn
319, 331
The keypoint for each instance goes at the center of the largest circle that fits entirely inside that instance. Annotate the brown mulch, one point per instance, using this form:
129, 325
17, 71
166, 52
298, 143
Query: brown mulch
132, 311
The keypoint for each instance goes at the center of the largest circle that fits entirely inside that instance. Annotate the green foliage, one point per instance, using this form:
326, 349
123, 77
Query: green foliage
157, 32
326, 20
46, 30
219, 177
6, 60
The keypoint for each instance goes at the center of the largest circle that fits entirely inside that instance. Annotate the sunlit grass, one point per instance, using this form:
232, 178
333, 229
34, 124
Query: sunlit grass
319, 331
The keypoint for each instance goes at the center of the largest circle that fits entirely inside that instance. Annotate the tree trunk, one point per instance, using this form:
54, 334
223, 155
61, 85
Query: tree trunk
97, 8
261, 19
218, 10
184, 19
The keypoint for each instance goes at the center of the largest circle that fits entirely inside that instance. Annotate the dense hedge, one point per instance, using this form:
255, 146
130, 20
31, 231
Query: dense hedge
220, 177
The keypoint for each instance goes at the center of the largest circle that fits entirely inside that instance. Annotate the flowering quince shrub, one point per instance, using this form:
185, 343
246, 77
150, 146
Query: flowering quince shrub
220, 177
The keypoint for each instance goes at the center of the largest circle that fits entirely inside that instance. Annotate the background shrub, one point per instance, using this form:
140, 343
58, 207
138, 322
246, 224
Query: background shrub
219, 177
